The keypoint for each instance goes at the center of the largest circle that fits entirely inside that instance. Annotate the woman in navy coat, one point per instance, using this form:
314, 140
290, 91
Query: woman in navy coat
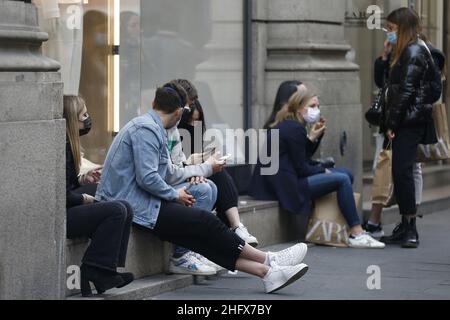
299, 180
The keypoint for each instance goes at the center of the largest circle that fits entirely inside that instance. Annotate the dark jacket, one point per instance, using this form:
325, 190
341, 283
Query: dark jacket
381, 77
73, 199
289, 186
410, 93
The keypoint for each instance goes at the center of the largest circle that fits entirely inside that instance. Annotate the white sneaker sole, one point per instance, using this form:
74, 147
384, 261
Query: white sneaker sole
299, 274
177, 270
365, 247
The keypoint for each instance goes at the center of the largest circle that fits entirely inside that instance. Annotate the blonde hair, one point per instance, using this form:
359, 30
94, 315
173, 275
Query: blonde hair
296, 102
73, 106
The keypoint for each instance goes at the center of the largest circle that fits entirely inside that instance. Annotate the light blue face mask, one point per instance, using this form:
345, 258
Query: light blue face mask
392, 37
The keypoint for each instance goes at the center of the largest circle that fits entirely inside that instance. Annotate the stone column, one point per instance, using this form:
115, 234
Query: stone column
304, 40
32, 161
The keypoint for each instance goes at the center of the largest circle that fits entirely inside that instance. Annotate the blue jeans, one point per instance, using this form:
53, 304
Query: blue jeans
205, 195
340, 180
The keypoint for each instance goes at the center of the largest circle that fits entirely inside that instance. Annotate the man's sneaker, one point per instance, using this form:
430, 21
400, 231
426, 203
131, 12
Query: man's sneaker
365, 241
375, 231
279, 277
289, 257
209, 263
243, 233
397, 235
411, 238
189, 264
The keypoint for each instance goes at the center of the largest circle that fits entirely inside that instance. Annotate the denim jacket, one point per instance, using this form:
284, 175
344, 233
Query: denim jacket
137, 166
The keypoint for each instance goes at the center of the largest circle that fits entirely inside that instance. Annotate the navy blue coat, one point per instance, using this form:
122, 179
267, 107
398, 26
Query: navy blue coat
289, 186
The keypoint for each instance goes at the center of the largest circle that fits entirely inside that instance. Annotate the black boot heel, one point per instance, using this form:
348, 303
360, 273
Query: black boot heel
86, 290
103, 280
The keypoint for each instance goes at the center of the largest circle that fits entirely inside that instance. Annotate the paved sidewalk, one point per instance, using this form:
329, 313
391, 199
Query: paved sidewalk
342, 273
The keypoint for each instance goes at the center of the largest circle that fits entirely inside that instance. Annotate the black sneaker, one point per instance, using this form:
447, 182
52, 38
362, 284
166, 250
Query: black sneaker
411, 237
375, 232
398, 235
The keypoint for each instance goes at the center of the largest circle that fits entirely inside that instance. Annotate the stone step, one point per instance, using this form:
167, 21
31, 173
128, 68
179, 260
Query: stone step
434, 200
144, 288
148, 257
434, 176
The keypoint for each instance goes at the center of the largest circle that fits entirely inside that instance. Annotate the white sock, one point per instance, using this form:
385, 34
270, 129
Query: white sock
373, 224
356, 236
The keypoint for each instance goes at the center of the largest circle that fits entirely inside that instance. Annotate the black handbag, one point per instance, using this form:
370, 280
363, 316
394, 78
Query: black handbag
374, 114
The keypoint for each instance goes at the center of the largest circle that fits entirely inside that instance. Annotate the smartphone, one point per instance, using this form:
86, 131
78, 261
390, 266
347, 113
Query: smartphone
225, 158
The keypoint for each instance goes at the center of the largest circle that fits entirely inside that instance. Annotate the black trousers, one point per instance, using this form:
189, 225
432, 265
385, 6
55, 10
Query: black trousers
199, 231
227, 194
404, 157
108, 226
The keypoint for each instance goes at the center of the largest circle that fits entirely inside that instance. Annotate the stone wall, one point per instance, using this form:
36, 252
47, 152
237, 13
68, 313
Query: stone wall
32, 161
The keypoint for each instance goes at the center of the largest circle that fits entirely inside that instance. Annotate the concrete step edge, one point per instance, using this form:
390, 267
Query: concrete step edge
430, 170
144, 288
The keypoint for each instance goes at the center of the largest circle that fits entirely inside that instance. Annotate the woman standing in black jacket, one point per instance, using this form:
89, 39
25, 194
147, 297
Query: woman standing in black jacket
107, 224
408, 119
381, 75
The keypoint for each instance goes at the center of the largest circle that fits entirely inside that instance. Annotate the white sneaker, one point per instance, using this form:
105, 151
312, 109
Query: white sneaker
279, 277
243, 233
189, 264
365, 241
208, 263
289, 257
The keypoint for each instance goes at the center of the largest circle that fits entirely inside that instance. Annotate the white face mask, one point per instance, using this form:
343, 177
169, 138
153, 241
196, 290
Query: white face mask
312, 116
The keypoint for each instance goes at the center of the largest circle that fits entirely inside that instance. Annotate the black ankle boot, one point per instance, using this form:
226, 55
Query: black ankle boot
103, 280
398, 235
411, 238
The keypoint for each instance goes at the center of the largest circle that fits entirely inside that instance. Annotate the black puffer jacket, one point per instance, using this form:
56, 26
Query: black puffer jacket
413, 88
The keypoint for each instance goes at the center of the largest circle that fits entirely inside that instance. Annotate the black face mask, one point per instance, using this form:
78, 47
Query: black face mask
87, 127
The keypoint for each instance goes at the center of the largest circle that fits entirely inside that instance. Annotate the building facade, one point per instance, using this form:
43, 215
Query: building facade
116, 52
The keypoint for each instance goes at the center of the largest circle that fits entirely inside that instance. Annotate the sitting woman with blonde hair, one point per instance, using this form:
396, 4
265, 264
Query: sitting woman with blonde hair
299, 181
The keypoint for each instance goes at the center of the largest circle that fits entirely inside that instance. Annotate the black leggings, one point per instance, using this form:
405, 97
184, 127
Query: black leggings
227, 194
199, 231
108, 225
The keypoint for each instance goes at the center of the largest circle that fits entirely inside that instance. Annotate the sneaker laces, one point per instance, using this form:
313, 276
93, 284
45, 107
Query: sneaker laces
204, 260
285, 256
192, 256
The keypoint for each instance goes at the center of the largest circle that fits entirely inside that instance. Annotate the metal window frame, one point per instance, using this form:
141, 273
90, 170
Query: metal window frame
247, 103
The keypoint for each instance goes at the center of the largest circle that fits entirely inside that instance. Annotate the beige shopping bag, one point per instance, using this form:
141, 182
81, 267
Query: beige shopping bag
383, 185
440, 150
327, 225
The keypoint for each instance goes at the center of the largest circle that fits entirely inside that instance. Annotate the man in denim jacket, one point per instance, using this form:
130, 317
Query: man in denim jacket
138, 169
